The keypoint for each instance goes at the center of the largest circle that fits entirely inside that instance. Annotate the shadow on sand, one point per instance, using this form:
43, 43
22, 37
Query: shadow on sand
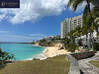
2, 66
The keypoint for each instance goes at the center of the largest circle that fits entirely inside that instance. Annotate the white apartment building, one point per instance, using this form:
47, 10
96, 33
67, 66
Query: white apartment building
76, 21
70, 24
63, 29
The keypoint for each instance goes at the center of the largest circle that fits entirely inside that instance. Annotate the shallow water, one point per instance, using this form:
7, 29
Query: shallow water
22, 51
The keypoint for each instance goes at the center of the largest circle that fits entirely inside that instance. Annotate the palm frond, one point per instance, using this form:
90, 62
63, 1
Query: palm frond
70, 3
85, 15
86, 12
76, 4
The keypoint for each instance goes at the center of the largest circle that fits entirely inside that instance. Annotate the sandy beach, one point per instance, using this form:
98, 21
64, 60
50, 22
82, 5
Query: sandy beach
54, 51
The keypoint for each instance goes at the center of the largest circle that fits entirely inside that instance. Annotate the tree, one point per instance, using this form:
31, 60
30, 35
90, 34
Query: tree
5, 56
71, 35
78, 31
33, 42
65, 41
89, 16
80, 42
68, 45
87, 11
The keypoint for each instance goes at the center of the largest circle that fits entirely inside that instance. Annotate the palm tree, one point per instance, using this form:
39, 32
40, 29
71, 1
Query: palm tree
88, 28
78, 31
87, 11
65, 42
72, 36
89, 15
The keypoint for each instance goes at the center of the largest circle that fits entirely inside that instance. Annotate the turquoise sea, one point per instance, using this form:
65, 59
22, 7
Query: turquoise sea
22, 51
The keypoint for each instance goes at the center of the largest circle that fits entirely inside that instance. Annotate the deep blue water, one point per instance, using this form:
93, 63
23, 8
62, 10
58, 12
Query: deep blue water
22, 51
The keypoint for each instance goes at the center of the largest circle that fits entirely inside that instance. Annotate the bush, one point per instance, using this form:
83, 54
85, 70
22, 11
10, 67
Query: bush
72, 47
96, 46
80, 42
36, 59
5, 56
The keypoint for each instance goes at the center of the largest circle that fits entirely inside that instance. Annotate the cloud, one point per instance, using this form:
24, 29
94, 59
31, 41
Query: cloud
33, 10
4, 31
40, 35
2, 16
7, 36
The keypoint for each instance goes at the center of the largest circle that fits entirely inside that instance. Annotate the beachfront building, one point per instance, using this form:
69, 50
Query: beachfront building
70, 24
76, 21
63, 29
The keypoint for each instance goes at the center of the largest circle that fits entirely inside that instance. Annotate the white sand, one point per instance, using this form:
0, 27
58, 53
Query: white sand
54, 51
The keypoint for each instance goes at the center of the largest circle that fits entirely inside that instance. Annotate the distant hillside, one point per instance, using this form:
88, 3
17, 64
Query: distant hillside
48, 41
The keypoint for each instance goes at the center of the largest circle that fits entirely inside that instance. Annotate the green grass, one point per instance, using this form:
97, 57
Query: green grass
56, 65
95, 63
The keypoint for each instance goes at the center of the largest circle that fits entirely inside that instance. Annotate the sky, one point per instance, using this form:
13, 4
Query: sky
34, 20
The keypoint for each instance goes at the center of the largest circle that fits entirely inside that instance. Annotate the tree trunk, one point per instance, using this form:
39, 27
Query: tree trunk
92, 40
86, 39
92, 19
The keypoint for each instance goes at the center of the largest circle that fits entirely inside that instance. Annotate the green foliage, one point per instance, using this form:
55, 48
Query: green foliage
43, 40
89, 14
72, 47
33, 42
90, 17
74, 4
80, 42
65, 40
68, 45
96, 46
49, 41
4, 56
72, 36
78, 31
97, 34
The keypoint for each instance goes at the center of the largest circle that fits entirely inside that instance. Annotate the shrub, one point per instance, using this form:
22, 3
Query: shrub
72, 47
96, 46
5, 56
80, 42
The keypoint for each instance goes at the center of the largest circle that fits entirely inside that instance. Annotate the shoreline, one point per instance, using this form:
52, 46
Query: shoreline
52, 51
49, 51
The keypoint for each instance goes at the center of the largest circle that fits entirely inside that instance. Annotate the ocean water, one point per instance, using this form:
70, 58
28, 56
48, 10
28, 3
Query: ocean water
22, 51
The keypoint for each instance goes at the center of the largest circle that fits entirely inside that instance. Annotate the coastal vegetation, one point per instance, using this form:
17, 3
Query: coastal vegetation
89, 11
69, 45
55, 65
49, 41
95, 63
90, 24
4, 57
96, 46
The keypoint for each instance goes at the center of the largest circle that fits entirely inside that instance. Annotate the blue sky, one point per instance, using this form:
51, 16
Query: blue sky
33, 22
